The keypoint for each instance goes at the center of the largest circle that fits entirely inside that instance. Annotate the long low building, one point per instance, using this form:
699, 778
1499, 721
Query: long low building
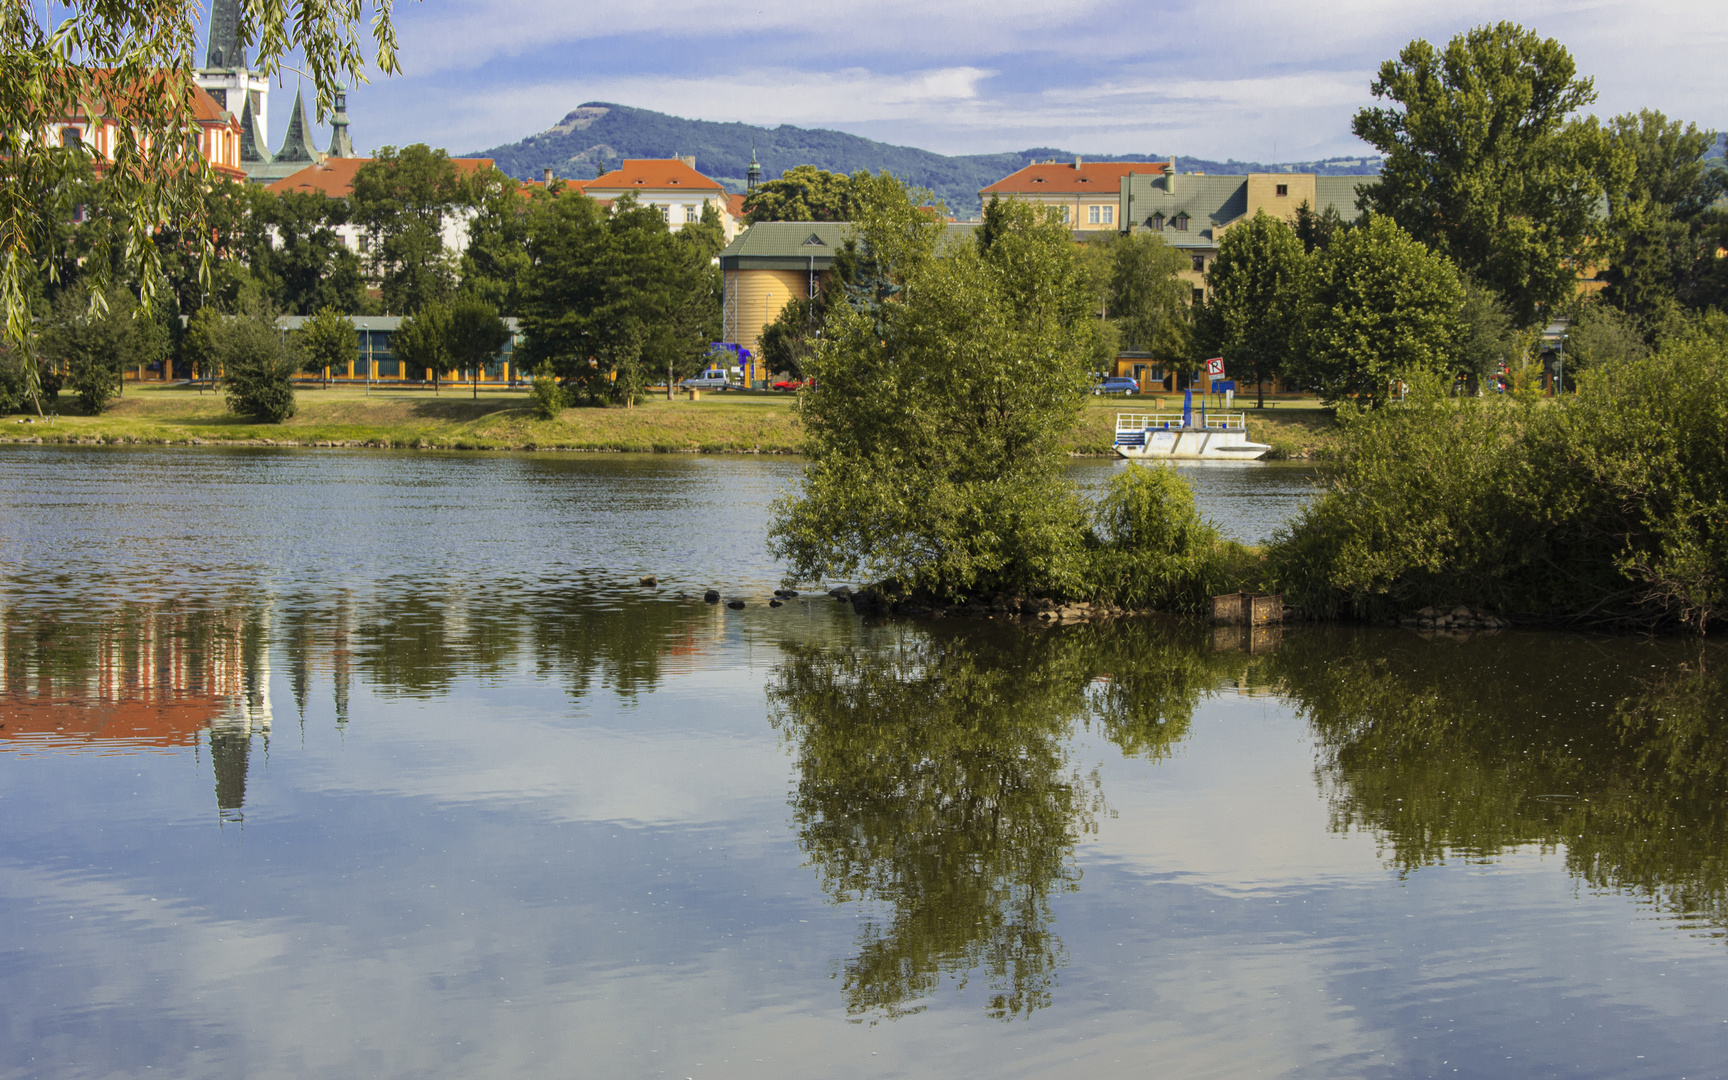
375, 360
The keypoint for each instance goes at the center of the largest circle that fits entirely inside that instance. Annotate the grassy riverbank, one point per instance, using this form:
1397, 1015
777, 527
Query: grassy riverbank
502, 420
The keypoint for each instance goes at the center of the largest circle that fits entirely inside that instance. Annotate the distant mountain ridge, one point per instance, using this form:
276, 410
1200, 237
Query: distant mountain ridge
600, 133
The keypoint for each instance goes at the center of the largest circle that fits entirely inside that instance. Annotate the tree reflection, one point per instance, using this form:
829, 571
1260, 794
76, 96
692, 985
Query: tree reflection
935, 782
1614, 750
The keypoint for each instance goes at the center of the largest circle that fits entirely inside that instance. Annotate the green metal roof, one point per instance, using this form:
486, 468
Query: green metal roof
803, 245
785, 245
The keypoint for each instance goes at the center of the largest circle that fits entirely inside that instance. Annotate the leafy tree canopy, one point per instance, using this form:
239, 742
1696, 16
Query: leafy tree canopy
1384, 307
804, 193
402, 198
1255, 314
935, 427
1486, 164
613, 297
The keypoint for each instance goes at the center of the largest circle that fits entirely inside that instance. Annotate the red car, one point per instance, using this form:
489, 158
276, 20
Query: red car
794, 384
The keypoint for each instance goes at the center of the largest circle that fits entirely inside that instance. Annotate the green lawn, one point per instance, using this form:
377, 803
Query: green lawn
502, 420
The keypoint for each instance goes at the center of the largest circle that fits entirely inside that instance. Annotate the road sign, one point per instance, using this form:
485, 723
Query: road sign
1215, 367
1222, 385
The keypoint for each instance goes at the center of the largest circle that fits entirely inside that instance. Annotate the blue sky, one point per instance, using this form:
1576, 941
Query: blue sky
1228, 78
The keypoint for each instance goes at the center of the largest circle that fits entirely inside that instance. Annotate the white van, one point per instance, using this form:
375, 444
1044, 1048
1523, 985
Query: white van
712, 379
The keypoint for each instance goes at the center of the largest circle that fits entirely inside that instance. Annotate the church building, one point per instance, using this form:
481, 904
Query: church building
227, 78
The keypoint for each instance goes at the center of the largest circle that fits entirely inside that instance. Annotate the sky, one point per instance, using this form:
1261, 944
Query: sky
1221, 79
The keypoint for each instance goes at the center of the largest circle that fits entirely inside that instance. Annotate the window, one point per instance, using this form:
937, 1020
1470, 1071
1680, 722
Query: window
1092, 214
1199, 296
1065, 209
690, 215
1156, 221
71, 137
665, 212
1199, 264
1109, 214
1180, 222
1283, 190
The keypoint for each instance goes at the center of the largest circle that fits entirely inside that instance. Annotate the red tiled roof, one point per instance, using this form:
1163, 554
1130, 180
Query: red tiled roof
335, 176
1069, 179
653, 174
735, 206
204, 107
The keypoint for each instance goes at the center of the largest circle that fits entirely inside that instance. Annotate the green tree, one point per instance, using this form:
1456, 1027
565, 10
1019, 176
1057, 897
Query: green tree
1384, 307
804, 193
477, 335
404, 199
1254, 317
96, 345
258, 367
1484, 163
422, 341
1148, 299
1658, 213
1316, 229
307, 265
132, 55
496, 258
1600, 335
936, 425
327, 340
1486, 336
613, 297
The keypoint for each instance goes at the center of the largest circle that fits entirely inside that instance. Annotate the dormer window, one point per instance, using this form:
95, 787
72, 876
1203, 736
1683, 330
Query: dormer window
1156, 221
1180, 221
814, 241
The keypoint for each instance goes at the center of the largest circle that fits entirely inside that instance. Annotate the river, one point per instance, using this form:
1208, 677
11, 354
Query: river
368, 763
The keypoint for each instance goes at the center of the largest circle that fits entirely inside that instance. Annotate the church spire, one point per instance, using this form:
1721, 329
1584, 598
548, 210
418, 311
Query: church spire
252, 148
754, 176
339, 144
296, 145
225, 50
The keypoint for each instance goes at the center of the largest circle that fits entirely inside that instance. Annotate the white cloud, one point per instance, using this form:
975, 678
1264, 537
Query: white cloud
1229, 79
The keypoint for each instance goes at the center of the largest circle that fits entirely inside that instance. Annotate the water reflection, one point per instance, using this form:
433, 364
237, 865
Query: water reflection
936, 786
1614, 751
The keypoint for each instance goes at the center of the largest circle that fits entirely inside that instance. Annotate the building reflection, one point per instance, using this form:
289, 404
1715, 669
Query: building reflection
171, 676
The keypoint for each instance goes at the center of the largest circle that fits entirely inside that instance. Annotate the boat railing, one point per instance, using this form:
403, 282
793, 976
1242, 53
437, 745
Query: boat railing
1136, 422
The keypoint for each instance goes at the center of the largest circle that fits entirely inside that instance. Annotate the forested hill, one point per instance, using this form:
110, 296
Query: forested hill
600, 133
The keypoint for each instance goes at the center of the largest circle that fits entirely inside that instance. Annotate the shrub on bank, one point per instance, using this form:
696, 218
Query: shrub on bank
257, 369
1149, 548
1605, 507
548, 397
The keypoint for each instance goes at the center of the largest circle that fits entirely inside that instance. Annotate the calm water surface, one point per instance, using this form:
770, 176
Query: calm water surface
367, 764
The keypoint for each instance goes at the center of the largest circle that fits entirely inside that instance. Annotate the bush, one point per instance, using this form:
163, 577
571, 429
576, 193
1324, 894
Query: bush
1607, 507
257, 369
97, 344
549, 398
1149, 547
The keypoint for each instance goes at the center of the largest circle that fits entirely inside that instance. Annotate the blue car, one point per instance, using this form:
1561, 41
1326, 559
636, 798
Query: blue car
1116, 384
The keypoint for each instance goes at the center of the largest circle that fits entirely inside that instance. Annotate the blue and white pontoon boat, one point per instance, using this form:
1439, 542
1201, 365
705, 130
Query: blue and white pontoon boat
1176, 436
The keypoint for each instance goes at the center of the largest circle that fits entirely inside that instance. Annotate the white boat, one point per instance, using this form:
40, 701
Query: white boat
1185, 436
